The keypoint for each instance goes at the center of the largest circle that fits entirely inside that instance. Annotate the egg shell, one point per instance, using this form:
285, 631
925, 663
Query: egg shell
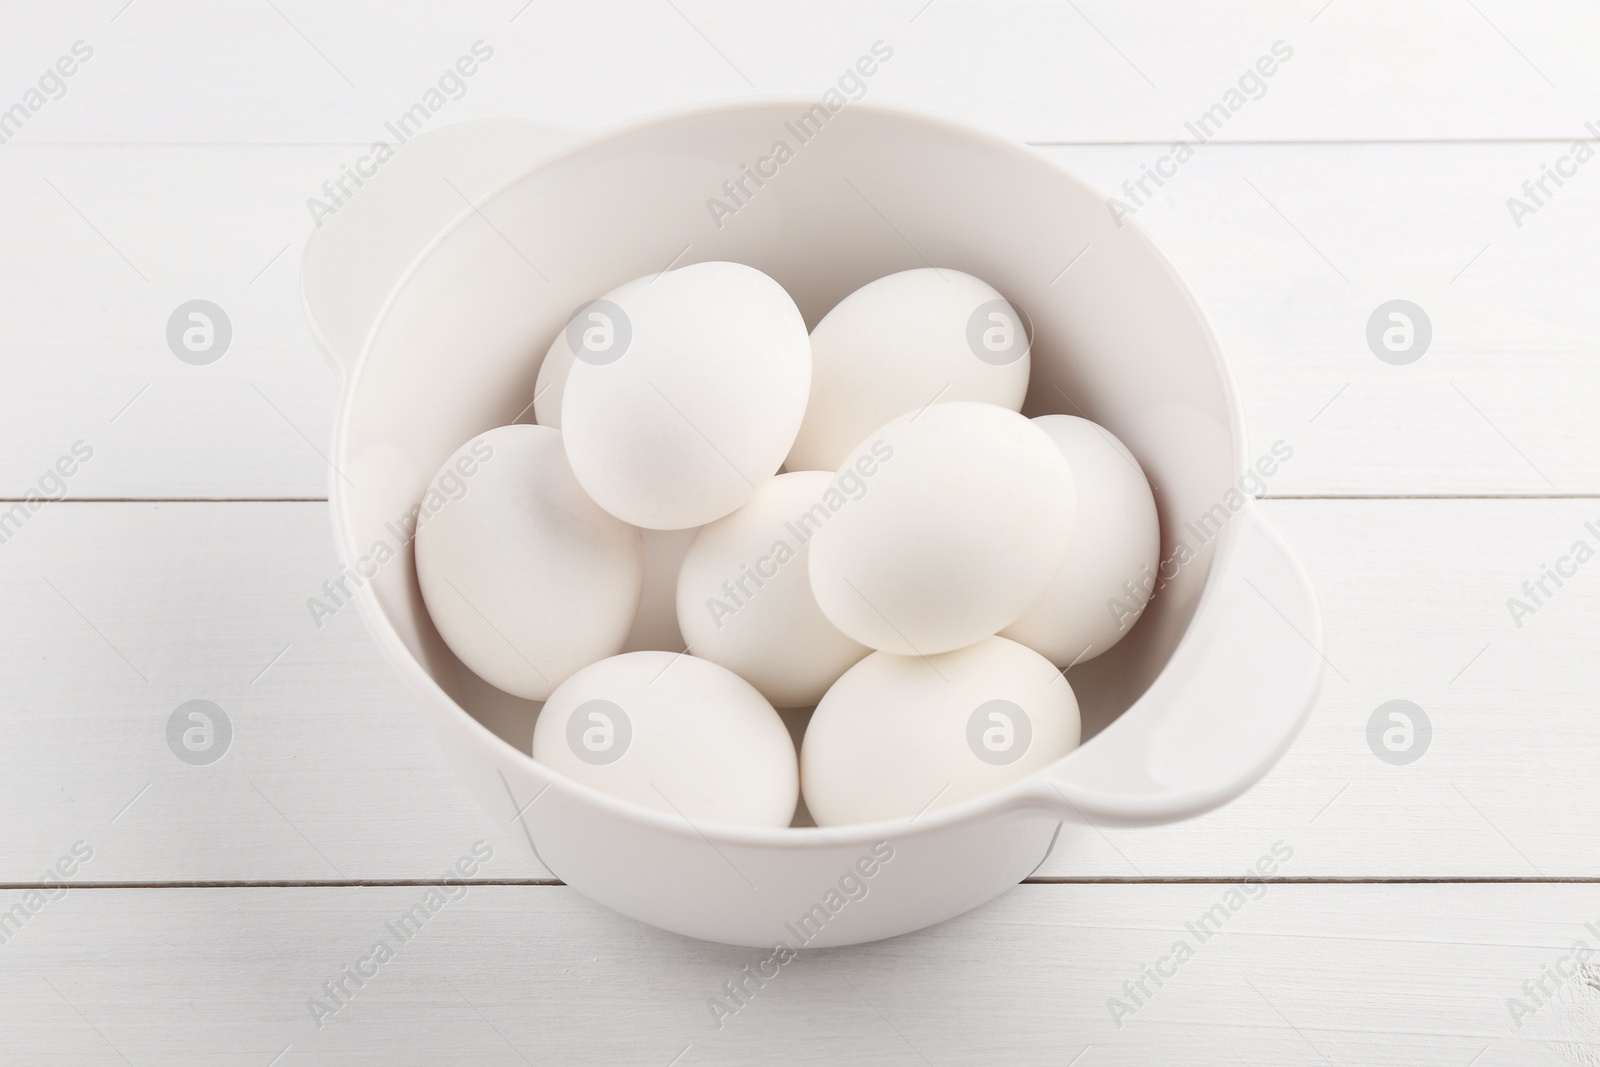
958, 517
696, 411
744, 594
900, 343
897, 735
524, 576
1110, 568
551, 383
674, 733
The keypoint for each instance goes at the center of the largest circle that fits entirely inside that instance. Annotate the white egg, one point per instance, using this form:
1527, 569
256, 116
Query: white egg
525, 578
674, 733
591, 327
1110, 569
900, 343
744, 594
898, 735
955, 520
695, 399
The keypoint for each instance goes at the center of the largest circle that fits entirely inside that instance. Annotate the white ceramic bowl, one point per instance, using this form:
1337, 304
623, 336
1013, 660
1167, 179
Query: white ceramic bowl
441, 283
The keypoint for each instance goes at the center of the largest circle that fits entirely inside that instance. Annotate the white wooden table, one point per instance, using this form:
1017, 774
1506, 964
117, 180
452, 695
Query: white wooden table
216, 900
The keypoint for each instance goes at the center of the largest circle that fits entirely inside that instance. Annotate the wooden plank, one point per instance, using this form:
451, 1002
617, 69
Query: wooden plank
1403, 975
121, 612
1091, 71
1292, 251
1505, 393
1414, 597
105, 244
177, 165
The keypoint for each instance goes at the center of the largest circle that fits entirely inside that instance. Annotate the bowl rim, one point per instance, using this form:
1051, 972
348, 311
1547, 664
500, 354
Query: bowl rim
1016, 796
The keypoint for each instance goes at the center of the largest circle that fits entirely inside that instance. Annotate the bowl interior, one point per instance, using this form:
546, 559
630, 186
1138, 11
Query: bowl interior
823, 203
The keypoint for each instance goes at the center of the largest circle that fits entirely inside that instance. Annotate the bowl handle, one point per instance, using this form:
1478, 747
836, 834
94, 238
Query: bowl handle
366, 242
1221, 713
